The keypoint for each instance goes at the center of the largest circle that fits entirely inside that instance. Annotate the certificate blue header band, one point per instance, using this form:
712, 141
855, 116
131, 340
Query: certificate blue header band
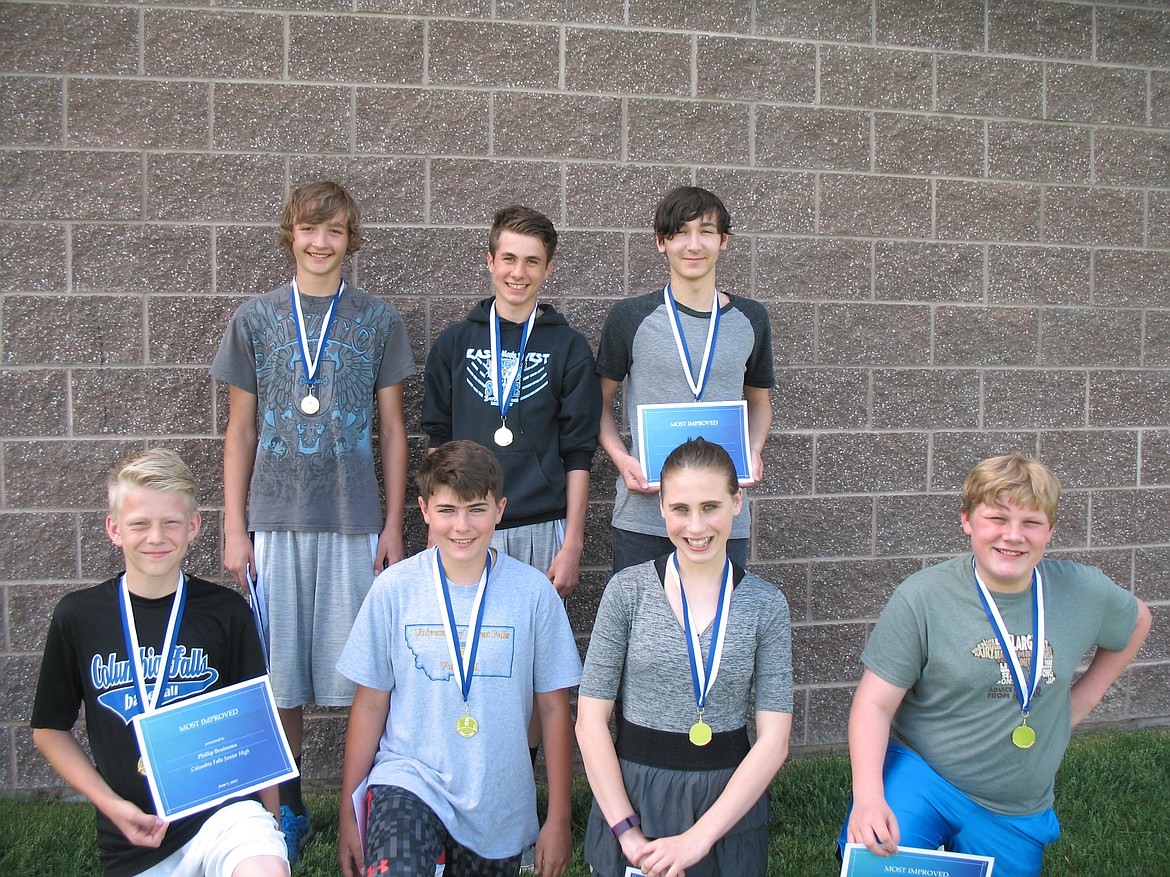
912, 862
662, 428
214, 747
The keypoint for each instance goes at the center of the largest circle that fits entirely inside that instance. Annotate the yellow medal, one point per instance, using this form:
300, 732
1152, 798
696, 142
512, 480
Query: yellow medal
1023, 737
466, 726
700, 733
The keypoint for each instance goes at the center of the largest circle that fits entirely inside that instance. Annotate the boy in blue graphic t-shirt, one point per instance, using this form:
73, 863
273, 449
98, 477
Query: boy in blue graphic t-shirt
305, 364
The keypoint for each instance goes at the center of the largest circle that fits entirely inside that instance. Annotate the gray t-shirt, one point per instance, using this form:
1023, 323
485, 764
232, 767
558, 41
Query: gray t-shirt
314, 473
638, 343
638, 650
482, 788
934, 638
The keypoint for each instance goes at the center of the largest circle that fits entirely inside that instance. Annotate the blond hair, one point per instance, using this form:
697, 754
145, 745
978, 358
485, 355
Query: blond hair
157, 469
1025, 482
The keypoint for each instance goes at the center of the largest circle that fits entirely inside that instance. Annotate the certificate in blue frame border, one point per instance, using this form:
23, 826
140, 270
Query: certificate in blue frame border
662, 428
860, 862
208, 749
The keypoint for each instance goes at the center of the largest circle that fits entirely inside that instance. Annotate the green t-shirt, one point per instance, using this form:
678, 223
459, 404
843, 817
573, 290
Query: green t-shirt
934, 639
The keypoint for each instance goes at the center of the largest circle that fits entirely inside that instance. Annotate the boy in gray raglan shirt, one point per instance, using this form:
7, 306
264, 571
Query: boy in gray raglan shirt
691, 227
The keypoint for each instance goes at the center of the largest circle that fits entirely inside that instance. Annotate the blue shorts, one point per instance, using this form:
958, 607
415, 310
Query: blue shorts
932, 813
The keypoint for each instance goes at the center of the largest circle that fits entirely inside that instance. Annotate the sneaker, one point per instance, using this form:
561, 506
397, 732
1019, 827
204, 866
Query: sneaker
297, 831
528, 860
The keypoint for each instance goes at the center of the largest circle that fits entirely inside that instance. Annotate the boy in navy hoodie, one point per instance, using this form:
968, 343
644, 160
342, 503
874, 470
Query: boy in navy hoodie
544, 431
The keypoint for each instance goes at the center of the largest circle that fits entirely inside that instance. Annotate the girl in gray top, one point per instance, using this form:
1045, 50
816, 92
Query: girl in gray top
682, 640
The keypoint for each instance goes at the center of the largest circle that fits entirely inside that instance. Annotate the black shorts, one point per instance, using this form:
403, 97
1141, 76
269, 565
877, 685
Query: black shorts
404, 838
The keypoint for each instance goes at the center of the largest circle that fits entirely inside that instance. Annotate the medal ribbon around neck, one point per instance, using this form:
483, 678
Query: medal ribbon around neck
1001, 634
702, 678
148, 702
443, 592
311, 362
680, 341
504, 396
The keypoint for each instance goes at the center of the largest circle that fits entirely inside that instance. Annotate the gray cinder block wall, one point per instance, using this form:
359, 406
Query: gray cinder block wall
957, 212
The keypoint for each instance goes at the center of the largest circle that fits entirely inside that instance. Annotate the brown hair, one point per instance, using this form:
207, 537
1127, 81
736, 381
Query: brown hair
698, 453
319, 202
679, 206
469, 469
523, 220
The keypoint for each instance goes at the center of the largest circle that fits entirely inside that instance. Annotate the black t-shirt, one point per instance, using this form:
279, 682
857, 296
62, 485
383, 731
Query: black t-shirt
86, 661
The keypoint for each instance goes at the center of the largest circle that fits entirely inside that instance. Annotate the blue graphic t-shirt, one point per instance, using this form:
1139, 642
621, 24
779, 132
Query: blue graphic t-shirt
314, 472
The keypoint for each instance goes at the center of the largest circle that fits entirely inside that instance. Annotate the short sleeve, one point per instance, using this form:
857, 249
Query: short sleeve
557, 663
235, 361
1118, 614
759, 371
606, 657
57, 702
896, 650
365, 659
615, 347
397, 357
773, 669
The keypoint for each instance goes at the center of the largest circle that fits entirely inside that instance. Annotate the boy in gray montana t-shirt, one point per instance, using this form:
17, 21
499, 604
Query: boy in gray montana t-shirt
446, 652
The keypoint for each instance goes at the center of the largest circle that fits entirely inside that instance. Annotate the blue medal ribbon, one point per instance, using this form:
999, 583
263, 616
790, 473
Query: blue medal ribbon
464, 673
312, 362
703, 677
504, 394
696, 384
148, 702
1024, 695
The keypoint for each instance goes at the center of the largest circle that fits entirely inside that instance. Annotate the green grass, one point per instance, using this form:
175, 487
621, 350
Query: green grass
1110, 797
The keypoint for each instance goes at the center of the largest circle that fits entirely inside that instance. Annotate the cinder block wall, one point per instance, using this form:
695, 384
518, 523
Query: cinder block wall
956, 211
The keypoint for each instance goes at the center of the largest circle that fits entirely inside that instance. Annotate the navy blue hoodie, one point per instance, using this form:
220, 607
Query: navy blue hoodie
554, 416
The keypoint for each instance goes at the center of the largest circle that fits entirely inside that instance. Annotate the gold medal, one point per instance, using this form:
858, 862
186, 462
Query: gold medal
503, 437
141, 767
466, 726
1023, 737
700, 733
310, 404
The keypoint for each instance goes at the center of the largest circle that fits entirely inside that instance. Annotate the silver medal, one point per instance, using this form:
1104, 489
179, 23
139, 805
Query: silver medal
504, 437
